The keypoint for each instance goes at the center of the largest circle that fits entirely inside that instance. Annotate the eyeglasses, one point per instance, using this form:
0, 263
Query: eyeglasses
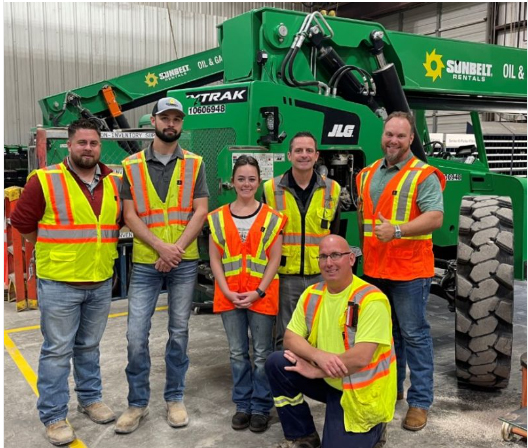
334, 256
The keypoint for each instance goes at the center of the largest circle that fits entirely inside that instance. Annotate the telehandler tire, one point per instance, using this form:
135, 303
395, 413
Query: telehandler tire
484, 292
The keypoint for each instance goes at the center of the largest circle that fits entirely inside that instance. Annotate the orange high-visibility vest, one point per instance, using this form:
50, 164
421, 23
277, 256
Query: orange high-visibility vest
410, 257
74, 245
167, 220
369, 395
244, 263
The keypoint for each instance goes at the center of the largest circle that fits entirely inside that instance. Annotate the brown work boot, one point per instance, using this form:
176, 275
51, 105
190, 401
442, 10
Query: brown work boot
415, 419
400, 396
60, 433
177, 414
129, 420
98, 412
311, 441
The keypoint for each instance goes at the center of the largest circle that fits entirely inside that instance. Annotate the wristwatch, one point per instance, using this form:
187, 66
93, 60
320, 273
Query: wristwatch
261, 293
397, 232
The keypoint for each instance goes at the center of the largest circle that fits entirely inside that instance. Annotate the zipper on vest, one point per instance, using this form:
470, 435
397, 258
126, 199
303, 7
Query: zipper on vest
98, 245
303, 241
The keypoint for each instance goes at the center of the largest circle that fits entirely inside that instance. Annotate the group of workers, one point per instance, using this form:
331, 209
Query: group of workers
282, 273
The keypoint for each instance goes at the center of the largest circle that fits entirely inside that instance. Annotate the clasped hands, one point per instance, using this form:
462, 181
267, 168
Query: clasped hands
170, 256
243, 299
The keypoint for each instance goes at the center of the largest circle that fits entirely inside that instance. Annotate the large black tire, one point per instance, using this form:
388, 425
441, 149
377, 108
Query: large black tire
484, 298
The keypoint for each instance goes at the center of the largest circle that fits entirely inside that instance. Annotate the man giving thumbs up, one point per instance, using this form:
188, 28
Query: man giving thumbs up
400, 206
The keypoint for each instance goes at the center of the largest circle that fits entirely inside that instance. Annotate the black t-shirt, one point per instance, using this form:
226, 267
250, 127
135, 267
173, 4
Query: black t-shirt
302, 194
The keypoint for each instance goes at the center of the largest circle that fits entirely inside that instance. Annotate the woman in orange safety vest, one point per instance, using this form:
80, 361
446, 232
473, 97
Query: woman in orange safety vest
245, 251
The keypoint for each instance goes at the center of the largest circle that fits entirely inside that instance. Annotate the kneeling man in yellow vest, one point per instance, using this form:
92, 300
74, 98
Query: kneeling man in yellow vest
339, 351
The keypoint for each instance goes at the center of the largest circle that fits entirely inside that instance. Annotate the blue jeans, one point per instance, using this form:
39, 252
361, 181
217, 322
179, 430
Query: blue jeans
412, 336
145, 287
251, 391
291, 286
72, 322
297, 420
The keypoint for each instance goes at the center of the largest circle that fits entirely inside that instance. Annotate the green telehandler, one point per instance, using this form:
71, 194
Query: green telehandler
282, 72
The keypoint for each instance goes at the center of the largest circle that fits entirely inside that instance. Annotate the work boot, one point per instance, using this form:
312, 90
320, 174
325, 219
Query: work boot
400, 396
259, 422
60, 433
415, 419
129, 420
98, 412
311, 441
177, 414
240, 420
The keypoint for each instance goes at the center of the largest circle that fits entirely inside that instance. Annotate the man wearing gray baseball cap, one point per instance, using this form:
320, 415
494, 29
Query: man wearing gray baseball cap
165, 200
166, 104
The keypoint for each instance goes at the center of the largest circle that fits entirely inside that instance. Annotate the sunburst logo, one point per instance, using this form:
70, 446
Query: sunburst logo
433, 60
151, 80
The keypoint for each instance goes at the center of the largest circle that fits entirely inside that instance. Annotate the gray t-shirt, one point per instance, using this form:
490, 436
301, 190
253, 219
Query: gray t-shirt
429, 196
161, 174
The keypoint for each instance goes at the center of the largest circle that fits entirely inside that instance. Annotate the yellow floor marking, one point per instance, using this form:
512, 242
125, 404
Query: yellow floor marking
18, 330
26, 370
21, 363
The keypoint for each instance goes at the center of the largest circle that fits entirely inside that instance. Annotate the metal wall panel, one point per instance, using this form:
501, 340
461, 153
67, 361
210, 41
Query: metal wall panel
420, 20
464, 21
51, 47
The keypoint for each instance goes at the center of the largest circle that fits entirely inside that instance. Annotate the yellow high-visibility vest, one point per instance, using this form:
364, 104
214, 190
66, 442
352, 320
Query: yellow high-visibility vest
320, 214
369, 395
167, 220
74, 245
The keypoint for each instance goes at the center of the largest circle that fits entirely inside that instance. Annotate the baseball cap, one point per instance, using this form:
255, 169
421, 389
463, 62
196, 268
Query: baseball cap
167, 103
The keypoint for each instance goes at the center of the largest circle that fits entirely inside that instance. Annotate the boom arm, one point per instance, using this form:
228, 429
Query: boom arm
134, 89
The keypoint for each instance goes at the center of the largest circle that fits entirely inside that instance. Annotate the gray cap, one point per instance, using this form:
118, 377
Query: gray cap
167, 104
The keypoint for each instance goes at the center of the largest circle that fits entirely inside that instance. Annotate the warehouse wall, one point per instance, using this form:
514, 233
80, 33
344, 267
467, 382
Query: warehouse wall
466, 21
53, 47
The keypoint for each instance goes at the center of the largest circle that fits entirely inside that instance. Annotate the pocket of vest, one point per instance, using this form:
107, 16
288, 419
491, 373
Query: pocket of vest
400, 249
62, 256
326, 216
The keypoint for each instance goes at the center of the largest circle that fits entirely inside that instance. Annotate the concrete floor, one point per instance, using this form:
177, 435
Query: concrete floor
459, 418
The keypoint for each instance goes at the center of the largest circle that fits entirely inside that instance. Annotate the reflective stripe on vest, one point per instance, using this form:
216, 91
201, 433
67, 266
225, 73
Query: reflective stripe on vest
255, 263
376, 368
320, 213
312, 303
370, 373
402, 259
74, 245
166, 220
244, 263
137, 172
66, 230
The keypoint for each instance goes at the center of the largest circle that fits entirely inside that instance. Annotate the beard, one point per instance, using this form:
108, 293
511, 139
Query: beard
84, 163
167, 138
394, 157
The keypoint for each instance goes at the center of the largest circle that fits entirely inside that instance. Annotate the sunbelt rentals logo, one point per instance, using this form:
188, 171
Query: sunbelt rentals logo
457, 69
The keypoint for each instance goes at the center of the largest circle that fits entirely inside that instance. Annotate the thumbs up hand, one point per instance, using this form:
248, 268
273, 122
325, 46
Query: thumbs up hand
384, 231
